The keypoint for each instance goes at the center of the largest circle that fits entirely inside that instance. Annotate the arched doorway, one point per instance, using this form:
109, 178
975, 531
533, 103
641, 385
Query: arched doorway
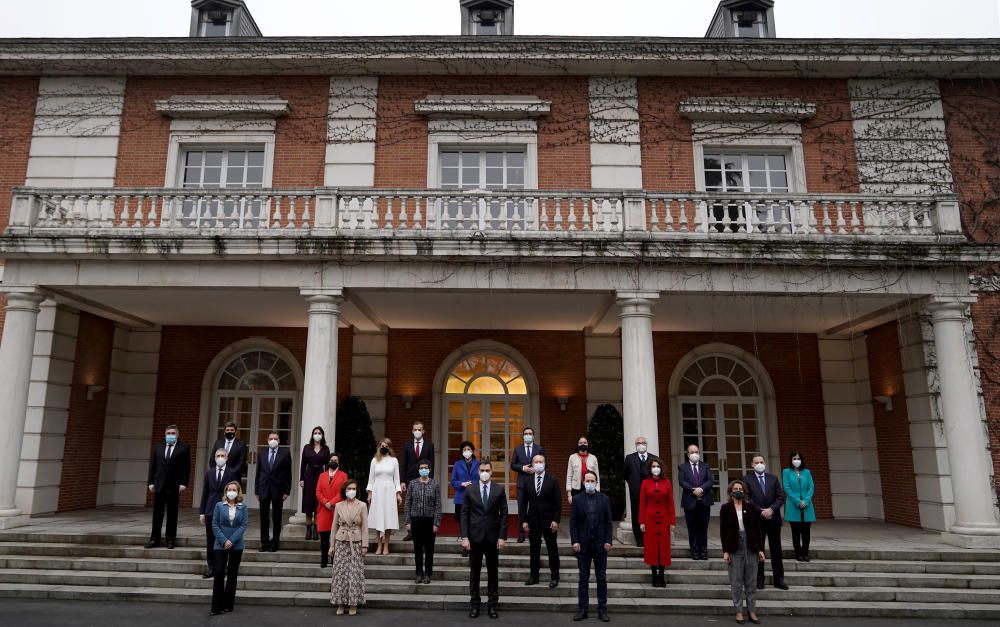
488, 394
257, 387
722, 400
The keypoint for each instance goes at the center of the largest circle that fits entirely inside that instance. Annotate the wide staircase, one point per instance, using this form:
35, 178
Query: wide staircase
929, 583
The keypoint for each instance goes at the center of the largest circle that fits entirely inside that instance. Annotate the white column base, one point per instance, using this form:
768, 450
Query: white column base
624, 533
958, 537
298, 518
10, 521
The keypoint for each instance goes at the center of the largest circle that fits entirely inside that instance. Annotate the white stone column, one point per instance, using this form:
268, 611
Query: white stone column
16, 349
319, 394
638, 381
975, 521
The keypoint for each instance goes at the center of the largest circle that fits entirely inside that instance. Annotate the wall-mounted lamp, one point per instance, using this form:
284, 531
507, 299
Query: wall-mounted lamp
886, 402
94, 390
563, 402
407, 401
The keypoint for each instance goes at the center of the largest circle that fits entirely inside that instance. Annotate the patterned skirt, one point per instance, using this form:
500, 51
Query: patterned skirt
347, 586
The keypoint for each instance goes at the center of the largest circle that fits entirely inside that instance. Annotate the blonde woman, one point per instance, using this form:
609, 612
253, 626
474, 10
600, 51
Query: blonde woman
229, 523
384, 495
580, 463
350, 544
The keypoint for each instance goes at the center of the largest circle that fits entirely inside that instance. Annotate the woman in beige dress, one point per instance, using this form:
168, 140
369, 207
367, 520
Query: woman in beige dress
348, 550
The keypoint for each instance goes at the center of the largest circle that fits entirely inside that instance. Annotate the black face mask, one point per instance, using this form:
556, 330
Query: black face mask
384, 450
332, 466
230, 436
582, 448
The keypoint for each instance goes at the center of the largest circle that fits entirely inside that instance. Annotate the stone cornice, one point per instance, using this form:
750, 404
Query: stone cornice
521, 55
487, 107
746, 109
223, 106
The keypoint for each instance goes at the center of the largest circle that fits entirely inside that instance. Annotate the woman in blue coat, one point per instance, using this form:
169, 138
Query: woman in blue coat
799, 511
229, 523
464, 473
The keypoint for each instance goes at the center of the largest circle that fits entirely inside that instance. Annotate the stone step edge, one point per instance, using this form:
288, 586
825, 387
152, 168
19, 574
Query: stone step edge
457, 602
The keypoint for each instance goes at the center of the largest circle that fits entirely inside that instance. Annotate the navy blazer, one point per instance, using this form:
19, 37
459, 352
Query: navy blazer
273, 483
211, 490
519, 458
232, 531
237, 454
688, 482
484, 522
584, 529
773, 496
460, 474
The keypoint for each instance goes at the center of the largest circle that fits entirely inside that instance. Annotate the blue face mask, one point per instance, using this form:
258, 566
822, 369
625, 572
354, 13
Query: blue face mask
171, 439
425, 472
590, 487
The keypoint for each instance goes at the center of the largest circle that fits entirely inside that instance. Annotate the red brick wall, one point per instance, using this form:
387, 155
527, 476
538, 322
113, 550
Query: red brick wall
300, 138
81, 470
667, 151
185, 355
892, 428
557, 358
986, 321
792, 361
17, 117
563, 136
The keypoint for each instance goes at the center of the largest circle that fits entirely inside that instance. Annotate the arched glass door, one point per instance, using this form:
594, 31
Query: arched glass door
486, 400
722, 412
257, 391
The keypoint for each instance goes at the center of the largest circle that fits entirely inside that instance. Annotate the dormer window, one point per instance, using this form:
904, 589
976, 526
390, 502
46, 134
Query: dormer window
743, 19
749, 24
216, 23
487, 22
222, 18
487, 17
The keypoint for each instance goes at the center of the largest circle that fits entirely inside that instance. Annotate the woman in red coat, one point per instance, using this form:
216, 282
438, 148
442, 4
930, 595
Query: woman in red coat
329, 492
656, 520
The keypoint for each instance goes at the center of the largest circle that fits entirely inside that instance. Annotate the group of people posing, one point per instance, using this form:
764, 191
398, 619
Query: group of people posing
341, 520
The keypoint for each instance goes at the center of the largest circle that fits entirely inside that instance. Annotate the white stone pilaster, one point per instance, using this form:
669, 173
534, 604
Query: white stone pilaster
975, 515
615, 154
369, 375
16, 349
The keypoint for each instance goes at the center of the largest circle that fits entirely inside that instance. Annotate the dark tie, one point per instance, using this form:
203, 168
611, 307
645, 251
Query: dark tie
170, 450
761, 479
271, 461
538, 485
486, 494
529, 452
218, 478
418, 450
643, 458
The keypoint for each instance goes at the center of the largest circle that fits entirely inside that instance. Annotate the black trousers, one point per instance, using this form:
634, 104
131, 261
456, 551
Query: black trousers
772, 531
479, 550
800, 537
227, 568
592, 553
697, 523
423, 536
458, 517
270, 514
535, 535
636, 531
209, 543
324, 548
166, 499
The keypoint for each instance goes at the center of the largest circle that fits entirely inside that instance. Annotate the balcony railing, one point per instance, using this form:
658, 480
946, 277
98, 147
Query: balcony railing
380, 211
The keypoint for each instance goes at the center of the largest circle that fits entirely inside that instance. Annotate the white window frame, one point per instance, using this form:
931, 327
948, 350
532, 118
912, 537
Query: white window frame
225, 150
523, 142
205, 22
482, 163
791, 149
182, 141
745, 167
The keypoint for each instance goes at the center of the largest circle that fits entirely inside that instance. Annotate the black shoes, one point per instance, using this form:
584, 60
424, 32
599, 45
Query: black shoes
553, 583
264, 546
780, 584
603, 616
208, 574
474, 611
520, 537
531, 581
407, 537
492, 611
805, 557
152, 544
760, 583
420, 579
273, 548
427, 579
170, 544
580, 615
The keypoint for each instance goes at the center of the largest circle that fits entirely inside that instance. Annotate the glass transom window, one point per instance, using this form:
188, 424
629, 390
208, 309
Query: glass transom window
257, 370
223, 168
485, 373
746, 172
482, 169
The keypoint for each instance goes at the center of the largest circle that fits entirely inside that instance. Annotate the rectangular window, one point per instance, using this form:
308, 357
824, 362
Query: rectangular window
240, 168
493, 170
748, 172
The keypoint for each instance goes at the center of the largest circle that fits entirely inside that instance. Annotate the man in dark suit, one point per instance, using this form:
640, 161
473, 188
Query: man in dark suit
484, 533
520, 460
416, 450
273, 485
169, 471
236, 450
590, 532
767, 494
696, 481
635, 473
216, 479
540, 509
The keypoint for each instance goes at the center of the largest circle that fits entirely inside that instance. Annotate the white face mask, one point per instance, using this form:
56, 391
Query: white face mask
694, 457
539, 468
759, 468
656, 470
231, 495
528, 438
796, 463
220, 461
467, 454
484, 476
418, 435
272, 443
640, 448
590, 487
317, 437
350, 494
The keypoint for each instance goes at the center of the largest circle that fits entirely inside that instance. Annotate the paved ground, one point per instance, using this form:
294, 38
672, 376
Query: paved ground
16, 613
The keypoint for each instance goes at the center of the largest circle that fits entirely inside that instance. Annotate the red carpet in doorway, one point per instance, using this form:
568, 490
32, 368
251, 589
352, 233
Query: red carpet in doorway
449, 526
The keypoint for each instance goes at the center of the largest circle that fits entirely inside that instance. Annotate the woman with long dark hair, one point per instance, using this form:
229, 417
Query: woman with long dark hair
329, 492
799, 510
315, 454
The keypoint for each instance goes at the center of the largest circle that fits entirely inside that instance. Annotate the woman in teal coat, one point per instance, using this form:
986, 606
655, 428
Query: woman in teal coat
229, 523
799, 511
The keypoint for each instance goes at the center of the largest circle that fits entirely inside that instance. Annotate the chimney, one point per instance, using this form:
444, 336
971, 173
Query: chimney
743, 19
487, 17
222, 18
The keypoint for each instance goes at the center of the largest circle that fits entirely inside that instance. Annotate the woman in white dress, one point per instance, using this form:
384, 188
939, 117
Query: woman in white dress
384, 495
